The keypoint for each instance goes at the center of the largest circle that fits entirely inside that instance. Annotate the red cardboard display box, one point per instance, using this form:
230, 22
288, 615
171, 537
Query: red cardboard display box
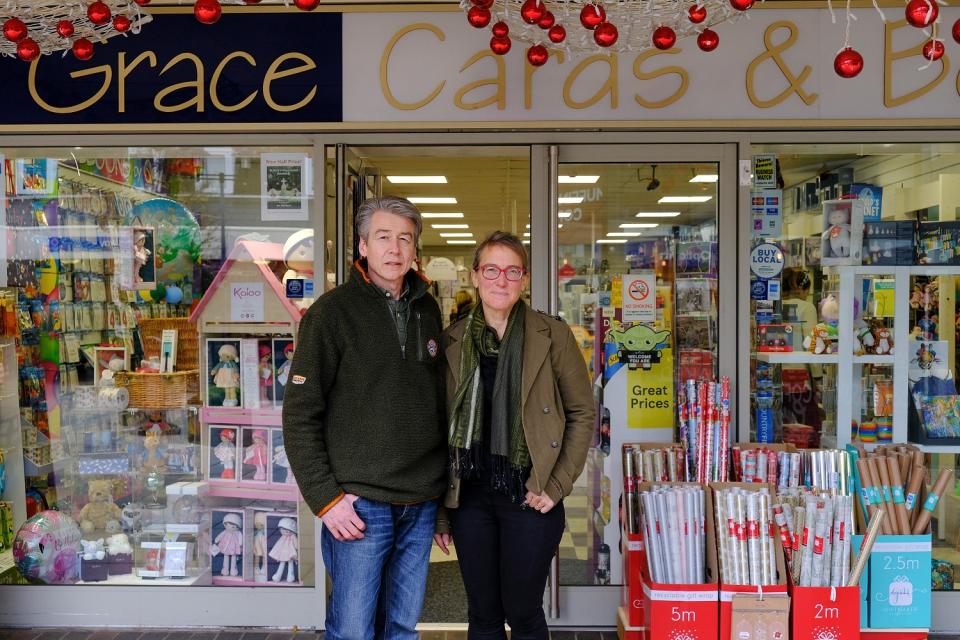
727, 591
826, 612
686, 611
631, 600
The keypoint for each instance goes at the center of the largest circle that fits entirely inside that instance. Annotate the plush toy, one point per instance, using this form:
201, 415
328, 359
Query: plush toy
226, 374
132, 518
838, 233
863, 341
285, 550
118, 544
884, 340
151, 442
830, 310
106, 376
93, 549
100, 510
822, 339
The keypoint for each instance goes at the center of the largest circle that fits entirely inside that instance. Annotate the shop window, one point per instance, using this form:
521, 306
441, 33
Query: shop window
150, 305
854, 319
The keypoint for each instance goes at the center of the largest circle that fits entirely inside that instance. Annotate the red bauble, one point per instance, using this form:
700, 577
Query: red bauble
848, 63
605, 34
500, 29
697, 14
592, 15
65, 28
82, 49
741, 5
121, 23
307, 5
207, 11
500, 46
28, 50
14, 30
251, 1
99, 13
933, 50
537, 55
547, 21
664, 38
708, 40
557, 34
486, 4
922, 13
478, 17
142, 3
956, 31
532, 11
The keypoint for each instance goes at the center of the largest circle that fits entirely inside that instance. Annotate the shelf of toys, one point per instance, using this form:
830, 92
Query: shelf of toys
247, 329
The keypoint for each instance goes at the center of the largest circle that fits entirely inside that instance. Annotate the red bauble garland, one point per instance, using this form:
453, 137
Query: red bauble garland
65, 28
708, 40
697, 14
28, 50
848, 63
99, 13
537, 55
933, 50
500, 30
664, 37
606, 34
956, 31
121, 23
486, 4
557, 34
478, 17
922, 13
82, 49
532, 11
14, 30
207, 11
741, 5
142, 3
592, 15
500, 45
547, 20
307, 5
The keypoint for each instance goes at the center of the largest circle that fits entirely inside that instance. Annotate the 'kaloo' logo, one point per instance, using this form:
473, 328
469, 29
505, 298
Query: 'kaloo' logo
241, 292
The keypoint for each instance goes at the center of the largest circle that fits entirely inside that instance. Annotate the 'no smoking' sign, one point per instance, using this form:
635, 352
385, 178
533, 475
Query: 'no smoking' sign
640, 305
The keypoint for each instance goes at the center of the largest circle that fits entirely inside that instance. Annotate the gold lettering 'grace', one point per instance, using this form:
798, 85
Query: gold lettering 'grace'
773, 53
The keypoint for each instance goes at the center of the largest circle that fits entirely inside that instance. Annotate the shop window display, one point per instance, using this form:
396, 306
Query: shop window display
146, 392
867, 284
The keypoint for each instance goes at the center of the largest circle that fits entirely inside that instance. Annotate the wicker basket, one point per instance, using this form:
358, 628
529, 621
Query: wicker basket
159, 390
188, 341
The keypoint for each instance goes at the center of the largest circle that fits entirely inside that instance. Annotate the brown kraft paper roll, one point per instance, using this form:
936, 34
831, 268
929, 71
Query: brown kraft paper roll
926, 511
896, 485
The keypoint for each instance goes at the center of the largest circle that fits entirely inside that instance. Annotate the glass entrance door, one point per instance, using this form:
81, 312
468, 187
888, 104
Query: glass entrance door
644, 252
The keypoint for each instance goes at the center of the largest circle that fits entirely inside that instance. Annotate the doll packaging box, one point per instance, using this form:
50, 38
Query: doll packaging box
255, 539
283, 548
890, 243
841, 241
227, 544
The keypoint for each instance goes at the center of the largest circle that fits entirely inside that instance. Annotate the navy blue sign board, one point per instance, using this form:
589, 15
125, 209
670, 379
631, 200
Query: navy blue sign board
246, 68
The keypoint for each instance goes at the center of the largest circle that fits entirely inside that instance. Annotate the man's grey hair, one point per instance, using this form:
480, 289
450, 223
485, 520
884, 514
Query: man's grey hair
391, 204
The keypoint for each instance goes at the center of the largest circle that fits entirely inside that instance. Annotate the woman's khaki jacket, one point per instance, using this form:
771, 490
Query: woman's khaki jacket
558, 406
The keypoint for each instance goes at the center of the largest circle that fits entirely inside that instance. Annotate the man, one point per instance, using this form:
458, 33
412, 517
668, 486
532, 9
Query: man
363, 426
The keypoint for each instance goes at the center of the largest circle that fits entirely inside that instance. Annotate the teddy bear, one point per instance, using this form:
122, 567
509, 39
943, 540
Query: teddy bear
93, 549
100, 510
118, 544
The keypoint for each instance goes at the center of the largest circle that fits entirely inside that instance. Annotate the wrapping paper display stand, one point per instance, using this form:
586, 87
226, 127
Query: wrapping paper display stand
631, 601
825, 612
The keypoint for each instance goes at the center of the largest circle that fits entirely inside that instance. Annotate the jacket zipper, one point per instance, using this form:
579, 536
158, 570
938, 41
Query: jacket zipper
403, 347
419, 340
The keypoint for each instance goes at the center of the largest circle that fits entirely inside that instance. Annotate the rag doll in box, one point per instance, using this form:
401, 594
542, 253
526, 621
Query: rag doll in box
284, 550
256, 454
141, 255
260, 546
280, 460
265, 372
226, 453
838, 233
229, 542
226, 374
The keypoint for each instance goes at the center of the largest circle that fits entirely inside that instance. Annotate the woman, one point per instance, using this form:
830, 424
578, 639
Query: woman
800, 382
520, 414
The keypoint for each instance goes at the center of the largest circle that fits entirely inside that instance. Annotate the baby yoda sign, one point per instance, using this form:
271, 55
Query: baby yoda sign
648, 354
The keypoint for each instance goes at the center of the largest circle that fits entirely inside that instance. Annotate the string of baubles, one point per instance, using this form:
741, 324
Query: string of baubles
542, 23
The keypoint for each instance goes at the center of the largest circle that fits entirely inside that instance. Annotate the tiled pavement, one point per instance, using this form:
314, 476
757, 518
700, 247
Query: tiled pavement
239, 634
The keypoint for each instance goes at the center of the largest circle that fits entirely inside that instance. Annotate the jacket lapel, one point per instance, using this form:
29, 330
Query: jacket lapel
535, 349
453, 351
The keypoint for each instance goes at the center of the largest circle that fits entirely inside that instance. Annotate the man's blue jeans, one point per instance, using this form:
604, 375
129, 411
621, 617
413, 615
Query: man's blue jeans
379, 581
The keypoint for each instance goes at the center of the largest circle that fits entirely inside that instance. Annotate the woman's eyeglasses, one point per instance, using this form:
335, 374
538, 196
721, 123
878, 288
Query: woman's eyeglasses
492, 272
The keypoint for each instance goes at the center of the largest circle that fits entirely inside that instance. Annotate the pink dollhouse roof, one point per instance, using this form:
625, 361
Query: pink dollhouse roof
260, 254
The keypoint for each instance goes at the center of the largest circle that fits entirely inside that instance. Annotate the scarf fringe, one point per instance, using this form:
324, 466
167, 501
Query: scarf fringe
505, 477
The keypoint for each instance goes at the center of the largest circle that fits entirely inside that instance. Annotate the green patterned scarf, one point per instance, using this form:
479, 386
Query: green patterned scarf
508, 447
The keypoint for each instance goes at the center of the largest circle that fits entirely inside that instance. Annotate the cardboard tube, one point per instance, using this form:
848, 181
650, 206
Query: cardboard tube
923, 518
913, 488
873, 529
885, 527
866, 482
883, 472
896, 488
906, 461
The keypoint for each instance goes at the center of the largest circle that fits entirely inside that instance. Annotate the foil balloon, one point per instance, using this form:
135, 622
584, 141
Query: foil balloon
177, 238
45, 548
